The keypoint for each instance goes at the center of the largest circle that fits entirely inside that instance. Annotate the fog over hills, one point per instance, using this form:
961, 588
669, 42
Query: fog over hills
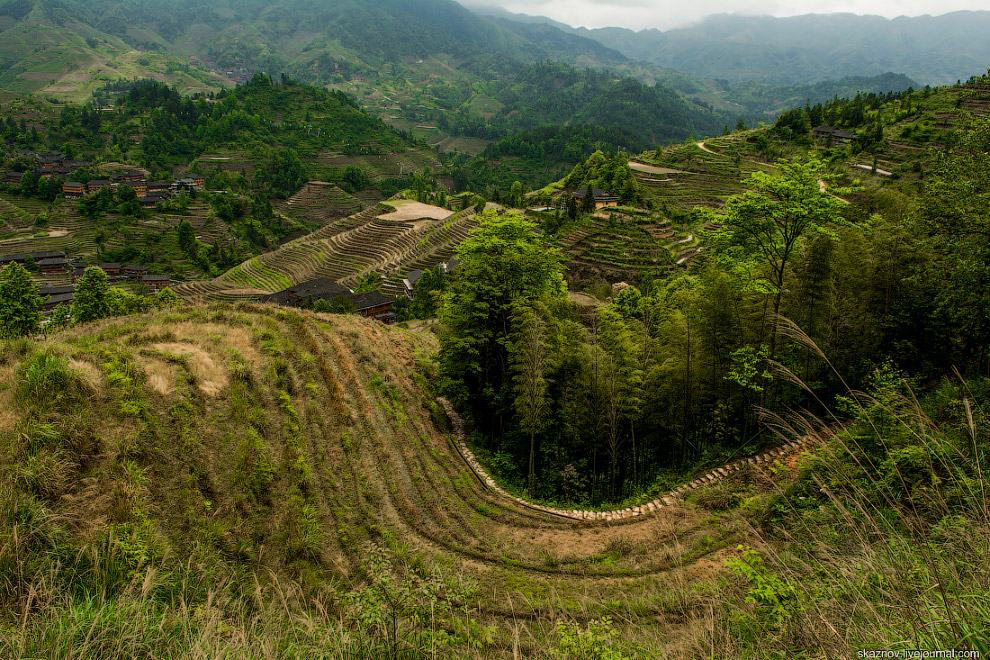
929, 49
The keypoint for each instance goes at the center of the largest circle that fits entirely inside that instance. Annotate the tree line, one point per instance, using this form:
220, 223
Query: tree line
800, 295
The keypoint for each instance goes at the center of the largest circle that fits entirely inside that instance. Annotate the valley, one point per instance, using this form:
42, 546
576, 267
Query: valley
389, 330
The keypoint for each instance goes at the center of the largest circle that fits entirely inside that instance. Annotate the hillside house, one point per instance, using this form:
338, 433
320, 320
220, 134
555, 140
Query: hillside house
96, 185
54, 296
374, 305
134, 272
73, 189
308, 292
185, 184
112, 269
602, 198
13, 178
54, 266
22, 258
134, 176
831, 135
140, 187
156, 283
409, 283
155, 196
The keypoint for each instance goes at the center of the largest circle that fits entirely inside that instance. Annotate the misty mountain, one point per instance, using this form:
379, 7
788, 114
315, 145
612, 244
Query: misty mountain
807, 49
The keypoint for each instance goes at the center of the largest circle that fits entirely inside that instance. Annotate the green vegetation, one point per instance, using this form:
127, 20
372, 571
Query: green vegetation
19, 303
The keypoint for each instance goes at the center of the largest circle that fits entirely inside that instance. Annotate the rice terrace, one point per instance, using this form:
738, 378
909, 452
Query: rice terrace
430, 330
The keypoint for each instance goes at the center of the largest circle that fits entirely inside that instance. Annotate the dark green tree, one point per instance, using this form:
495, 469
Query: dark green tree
20, 304
187, 238
503, 264
92, 298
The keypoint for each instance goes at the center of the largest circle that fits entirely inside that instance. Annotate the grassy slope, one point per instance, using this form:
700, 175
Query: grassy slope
269, 449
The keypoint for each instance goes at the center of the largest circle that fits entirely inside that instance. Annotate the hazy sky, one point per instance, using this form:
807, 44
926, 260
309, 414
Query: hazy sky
664, 14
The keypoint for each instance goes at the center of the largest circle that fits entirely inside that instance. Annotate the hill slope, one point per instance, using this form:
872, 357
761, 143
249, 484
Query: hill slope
221, 452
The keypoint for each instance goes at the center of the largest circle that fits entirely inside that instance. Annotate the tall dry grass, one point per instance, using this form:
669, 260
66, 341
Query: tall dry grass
883, 539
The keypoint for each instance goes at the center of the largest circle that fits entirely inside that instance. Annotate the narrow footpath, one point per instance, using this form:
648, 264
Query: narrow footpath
669, 499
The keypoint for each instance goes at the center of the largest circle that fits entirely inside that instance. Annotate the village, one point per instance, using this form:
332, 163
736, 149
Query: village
57, 164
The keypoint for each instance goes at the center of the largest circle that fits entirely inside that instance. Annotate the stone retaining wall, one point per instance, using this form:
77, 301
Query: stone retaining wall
668, 499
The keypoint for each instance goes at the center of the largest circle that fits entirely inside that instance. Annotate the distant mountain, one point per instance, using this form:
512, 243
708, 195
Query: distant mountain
423, 65
807, 49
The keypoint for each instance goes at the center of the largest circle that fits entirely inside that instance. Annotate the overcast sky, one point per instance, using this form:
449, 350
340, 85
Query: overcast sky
665, 14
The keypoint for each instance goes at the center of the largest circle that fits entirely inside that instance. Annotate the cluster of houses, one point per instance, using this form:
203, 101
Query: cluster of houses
372, 305
57, 263
53, 163
148, 193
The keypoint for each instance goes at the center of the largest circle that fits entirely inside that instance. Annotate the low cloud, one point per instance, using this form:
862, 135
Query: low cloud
666, 14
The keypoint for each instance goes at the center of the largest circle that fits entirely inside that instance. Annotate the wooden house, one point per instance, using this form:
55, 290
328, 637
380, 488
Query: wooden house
140, 187
829, 135
409, 283
602, 198
134, 272
54, 296
112, 269
74, 189
54, 266
374, 305
308, 292
155, 196
156, 283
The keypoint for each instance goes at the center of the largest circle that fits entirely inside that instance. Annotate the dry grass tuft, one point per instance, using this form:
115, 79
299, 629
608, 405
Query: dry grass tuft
161, 377
211, 378
89, 372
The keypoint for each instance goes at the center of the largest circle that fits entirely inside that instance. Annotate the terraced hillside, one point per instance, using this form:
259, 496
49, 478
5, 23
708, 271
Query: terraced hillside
319, 202
345, 250
286, 446
155, 236
619, 245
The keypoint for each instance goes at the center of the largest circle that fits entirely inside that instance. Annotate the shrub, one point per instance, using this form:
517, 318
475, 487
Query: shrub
45, 380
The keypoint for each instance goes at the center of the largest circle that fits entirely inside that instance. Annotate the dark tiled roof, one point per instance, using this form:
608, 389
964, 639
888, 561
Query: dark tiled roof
37, 256
413, 276
54, 262
73, 184
156, 278
369, 300
99, 182
134, 268
319, 289
59, 298
110, 266
48, 290
452, 264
